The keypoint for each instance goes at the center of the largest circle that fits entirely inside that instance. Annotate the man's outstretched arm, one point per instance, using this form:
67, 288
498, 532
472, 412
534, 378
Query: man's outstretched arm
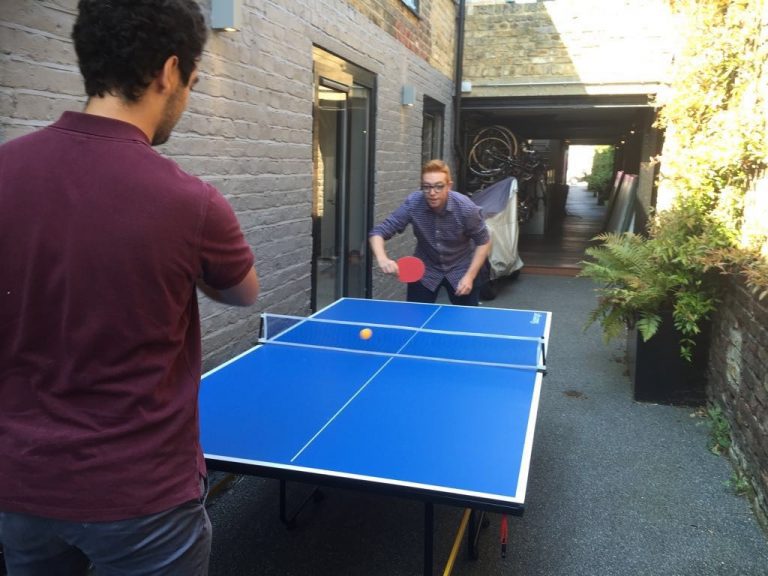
243, 294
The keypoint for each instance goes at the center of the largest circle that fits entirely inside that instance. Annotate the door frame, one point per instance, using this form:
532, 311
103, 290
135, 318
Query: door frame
333, 72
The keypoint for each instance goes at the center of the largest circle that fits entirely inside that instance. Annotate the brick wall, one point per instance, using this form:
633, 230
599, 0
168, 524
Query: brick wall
738, 381
567, 47
430, 34
248, 127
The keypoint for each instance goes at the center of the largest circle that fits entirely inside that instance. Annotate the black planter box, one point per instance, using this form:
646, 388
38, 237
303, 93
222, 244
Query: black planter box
660, 375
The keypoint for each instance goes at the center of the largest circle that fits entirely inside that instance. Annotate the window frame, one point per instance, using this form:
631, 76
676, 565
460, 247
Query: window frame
412, 5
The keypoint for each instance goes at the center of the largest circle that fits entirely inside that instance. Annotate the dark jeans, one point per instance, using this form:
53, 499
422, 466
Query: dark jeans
171, 543
417, 292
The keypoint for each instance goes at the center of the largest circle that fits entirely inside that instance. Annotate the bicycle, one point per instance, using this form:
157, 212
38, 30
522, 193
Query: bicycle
494, 156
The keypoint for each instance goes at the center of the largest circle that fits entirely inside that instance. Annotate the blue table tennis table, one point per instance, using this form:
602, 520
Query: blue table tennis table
439, 404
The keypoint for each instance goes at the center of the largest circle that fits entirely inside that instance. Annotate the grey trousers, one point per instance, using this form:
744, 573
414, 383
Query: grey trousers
172, 543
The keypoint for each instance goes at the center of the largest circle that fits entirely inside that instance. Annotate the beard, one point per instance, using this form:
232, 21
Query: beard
174, 107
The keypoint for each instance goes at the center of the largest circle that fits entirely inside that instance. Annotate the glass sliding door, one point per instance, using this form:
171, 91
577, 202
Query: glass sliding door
357, 198
328, 195
342, 181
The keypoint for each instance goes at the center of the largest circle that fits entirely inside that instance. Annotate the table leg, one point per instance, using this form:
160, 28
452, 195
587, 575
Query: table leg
283, 505
315, 495
477, 521
429, 531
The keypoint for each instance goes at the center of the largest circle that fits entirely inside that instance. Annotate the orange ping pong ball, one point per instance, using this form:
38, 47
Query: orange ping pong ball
366, 333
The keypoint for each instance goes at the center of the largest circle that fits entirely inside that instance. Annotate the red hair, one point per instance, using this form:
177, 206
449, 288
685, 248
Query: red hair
437, 166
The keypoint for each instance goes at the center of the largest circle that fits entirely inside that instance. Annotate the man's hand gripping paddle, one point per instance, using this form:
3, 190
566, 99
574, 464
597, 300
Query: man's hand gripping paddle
410, 269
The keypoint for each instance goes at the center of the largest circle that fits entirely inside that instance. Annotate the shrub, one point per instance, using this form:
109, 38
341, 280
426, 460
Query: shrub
600, 179
640, 277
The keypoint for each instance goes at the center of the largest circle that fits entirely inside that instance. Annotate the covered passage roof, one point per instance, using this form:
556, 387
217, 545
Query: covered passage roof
585, 119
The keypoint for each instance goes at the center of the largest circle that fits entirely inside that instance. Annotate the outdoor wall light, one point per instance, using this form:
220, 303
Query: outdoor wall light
227, 15
408, 97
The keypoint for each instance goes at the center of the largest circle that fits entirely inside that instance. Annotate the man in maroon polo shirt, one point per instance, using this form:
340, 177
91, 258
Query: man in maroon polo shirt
103, 243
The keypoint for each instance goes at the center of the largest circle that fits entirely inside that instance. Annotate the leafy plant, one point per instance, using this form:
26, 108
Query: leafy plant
600, 178
739, 483
719, 430
747, 263
716, 121
642, 277
720, 443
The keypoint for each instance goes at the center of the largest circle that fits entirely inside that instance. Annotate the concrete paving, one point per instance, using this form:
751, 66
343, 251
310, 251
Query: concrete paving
615, 487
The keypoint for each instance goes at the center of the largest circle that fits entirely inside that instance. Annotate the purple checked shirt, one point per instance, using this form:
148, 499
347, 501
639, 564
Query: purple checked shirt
445, 241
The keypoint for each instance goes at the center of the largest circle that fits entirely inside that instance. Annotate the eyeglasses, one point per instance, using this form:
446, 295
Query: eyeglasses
427, 188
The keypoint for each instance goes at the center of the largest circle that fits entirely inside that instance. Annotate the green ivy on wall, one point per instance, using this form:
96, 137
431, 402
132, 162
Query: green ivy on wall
716, 121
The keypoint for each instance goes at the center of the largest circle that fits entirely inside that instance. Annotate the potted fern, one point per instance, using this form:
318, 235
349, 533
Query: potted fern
659, 290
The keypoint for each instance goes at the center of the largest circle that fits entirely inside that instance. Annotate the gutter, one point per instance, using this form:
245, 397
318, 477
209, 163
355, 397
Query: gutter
459, 71
655, 83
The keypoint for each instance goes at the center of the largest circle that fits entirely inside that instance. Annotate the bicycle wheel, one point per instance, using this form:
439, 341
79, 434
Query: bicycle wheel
501, 133
488, 155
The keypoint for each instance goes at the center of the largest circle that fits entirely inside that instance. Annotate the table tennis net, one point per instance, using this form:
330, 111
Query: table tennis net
404, 341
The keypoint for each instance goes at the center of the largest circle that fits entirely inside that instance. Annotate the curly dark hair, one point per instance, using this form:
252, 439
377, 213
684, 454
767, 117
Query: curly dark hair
121, 45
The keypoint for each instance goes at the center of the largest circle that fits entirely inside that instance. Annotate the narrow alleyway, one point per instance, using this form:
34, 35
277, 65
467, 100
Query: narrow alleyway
561, 248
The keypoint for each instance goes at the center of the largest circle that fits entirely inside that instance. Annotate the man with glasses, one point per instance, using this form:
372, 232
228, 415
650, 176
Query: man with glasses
451, 238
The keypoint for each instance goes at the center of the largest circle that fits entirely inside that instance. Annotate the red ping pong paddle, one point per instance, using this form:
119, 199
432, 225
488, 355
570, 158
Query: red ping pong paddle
410, 269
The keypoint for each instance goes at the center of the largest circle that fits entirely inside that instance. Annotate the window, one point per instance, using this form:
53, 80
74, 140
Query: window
432, 130
412, 4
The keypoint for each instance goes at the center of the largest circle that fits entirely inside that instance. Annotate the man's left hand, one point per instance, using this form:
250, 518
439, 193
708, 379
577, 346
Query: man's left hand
464, 286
